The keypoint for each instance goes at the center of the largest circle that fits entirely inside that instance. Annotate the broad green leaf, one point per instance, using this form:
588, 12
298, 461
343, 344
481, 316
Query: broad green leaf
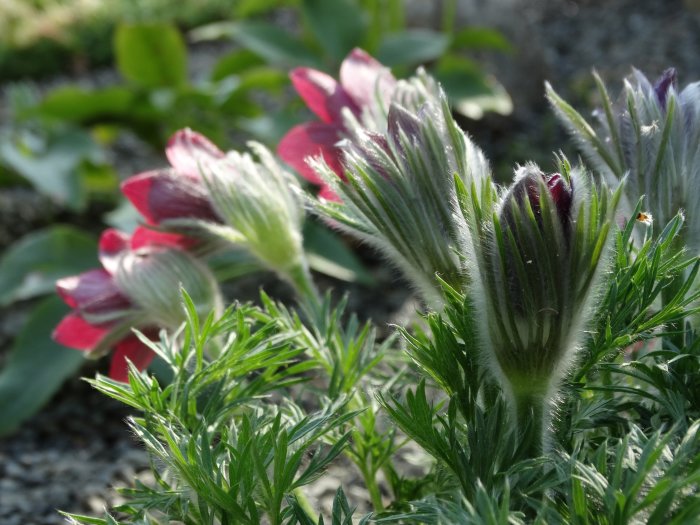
36, 366
481, 38
52, 168
235, 63
270, 128
412, 47
246, 8
338, 25
233, 264
31, 266
151, 54
471, 92
256, 79
124, 217
79, 105
266, 40
329, 255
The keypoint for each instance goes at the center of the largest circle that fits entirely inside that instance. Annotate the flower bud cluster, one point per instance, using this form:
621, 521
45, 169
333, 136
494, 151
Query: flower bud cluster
650, 137
397, 172
529, 257
205, 201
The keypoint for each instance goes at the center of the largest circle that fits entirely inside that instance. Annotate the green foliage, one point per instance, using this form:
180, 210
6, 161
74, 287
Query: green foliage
40, 39
36, 367
31, 266
331, 29
213, 428
151, 55
29, 269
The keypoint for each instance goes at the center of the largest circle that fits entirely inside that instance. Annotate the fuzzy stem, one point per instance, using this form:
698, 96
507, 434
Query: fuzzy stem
299, 277
305, 504
529, 412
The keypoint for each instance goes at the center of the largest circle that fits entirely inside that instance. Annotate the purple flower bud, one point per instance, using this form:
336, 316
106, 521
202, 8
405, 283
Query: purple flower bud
667, 80
401, 120
530, 185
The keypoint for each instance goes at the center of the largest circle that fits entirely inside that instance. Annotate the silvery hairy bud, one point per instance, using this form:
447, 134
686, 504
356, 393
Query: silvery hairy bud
152, 277
537, 263
649, 136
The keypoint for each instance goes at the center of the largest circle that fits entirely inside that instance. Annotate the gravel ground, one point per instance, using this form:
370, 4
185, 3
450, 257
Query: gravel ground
69, 455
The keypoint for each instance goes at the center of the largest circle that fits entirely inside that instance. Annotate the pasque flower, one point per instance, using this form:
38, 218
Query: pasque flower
138, 286
400, 194
210, 200
364, 90
261, 209
650, 136
177, 196
538, 254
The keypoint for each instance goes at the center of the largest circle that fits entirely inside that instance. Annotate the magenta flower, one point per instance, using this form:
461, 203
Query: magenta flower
178, 192
137, 286
365, 89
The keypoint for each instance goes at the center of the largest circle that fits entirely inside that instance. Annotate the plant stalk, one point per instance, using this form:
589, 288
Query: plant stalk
299, 277
530, 417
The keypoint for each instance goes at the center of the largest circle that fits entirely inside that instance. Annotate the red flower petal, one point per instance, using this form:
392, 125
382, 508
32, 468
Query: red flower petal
364, 78
92, 292
164, 194
322, 94
311, 140
75, 332
143, 237
112, 244
187, 149
134, 350
328, 194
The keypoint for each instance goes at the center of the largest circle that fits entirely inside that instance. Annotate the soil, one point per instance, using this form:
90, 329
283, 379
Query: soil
72, 454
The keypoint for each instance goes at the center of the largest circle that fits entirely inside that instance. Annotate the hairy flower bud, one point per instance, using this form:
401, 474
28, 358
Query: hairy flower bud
537, 264
152, 278
649, 136
401, 195
258, 201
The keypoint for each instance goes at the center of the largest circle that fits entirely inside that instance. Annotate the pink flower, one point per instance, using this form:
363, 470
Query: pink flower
137, 286
365, 89
177, 192
98, 307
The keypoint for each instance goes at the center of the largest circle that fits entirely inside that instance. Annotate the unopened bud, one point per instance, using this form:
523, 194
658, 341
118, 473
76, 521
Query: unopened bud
152, 277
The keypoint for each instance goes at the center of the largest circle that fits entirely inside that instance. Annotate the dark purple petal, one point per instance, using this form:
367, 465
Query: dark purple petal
366, 80
663, 84
400, 120
312, 139
187, 150
322, 94
92, 292
134, 350
75, 332
166, 194
562, 194
529, 186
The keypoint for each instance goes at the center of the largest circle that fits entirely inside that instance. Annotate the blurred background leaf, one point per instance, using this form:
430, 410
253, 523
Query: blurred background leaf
31, 266
151, 54
36, 367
